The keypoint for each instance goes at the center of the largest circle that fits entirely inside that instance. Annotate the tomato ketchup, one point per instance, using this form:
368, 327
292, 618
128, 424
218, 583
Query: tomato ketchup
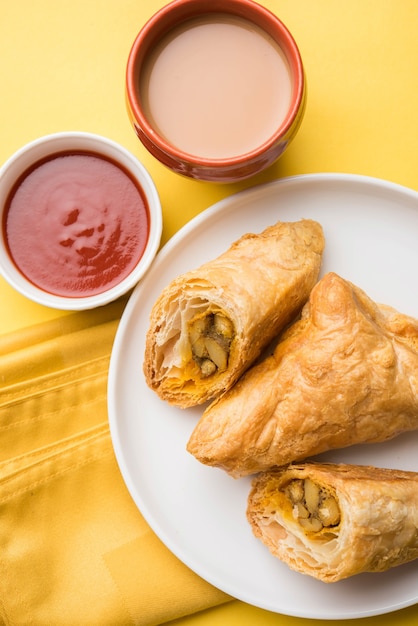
76, 224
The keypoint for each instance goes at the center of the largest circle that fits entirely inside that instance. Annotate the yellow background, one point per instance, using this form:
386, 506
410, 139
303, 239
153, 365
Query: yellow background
62, 66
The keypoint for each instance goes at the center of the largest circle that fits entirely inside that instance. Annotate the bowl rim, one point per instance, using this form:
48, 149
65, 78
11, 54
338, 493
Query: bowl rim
59, 142
162, 22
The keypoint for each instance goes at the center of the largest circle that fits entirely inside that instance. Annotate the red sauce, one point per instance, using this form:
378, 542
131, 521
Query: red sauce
76, 224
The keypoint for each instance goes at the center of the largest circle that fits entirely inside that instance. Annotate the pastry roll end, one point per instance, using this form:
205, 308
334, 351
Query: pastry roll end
210, 324
333, 521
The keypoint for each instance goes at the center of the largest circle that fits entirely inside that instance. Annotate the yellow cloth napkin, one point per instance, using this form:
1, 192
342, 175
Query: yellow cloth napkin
74, 549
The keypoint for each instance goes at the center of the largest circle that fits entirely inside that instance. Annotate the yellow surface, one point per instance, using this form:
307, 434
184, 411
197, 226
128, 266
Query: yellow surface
62, 67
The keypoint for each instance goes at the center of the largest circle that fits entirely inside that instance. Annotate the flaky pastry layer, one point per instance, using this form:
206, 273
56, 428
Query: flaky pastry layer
377, 526
210, 324
345, 373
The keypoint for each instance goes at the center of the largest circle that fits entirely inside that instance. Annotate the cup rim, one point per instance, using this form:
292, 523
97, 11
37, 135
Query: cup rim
163, 21
59, 142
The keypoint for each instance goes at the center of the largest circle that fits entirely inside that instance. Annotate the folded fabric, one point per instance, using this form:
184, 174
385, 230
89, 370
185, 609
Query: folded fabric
74, 549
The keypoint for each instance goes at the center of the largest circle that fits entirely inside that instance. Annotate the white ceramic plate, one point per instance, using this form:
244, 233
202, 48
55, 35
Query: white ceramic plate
371, 229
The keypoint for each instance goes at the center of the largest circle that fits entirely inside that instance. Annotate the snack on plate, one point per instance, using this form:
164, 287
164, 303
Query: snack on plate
210, 324
345, 373
333, 521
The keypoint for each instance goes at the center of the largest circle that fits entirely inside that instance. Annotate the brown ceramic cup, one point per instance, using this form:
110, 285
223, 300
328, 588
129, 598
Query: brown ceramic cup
234, 167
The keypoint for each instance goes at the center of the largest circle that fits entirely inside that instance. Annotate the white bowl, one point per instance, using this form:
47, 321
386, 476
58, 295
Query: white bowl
69, 142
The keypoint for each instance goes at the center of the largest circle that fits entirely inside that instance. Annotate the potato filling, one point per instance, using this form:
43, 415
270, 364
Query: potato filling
314, 507
210, 338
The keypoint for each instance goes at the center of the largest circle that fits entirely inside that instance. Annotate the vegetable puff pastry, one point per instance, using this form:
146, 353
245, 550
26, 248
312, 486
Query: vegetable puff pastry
333, 521
345, 373
211, 323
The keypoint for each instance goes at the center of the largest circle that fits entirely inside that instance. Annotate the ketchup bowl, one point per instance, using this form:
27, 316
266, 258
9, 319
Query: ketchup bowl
81, 220
215, 89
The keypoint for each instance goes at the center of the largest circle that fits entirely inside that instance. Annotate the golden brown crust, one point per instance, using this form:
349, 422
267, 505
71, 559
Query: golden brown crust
378, 528
345, 373
259, 284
